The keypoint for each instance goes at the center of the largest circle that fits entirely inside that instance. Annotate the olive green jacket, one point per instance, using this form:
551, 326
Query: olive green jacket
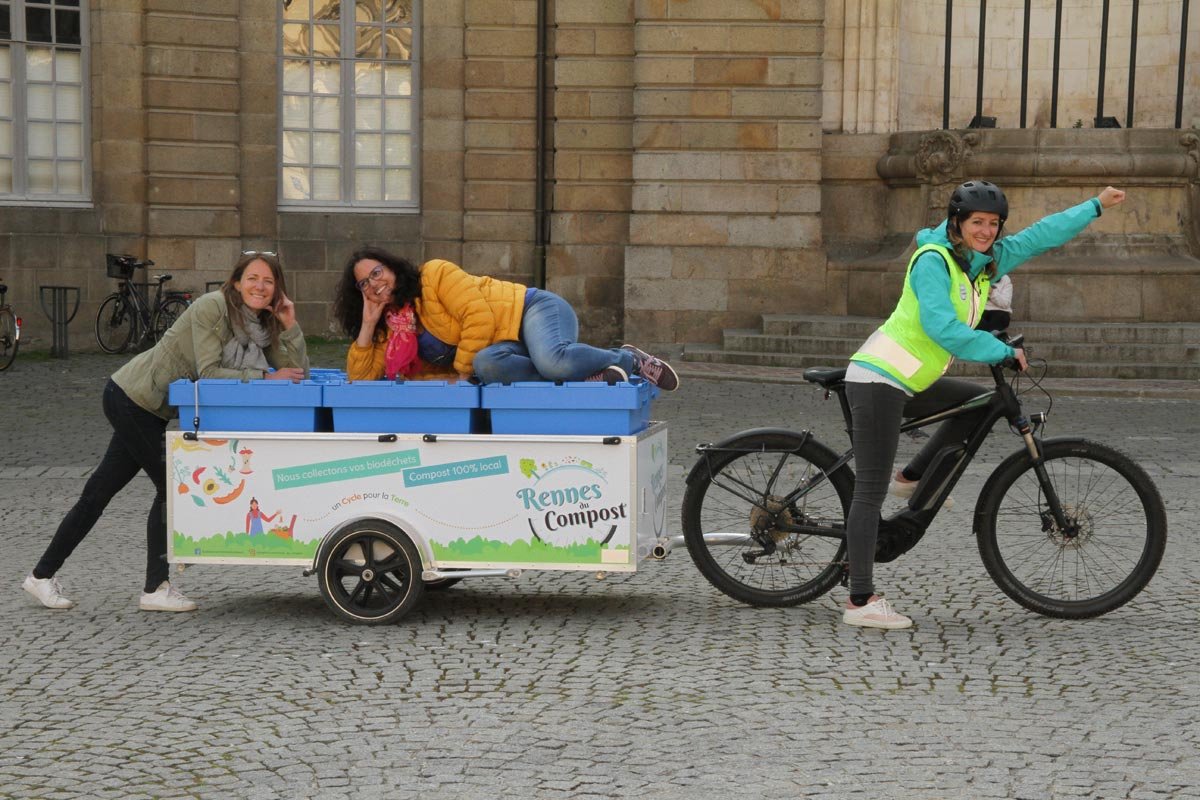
192, 349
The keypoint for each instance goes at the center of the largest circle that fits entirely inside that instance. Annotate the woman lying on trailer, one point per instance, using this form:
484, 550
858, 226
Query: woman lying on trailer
409, 321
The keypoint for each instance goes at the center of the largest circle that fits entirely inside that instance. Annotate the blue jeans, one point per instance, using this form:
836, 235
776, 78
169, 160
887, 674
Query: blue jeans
549, 349
136, 445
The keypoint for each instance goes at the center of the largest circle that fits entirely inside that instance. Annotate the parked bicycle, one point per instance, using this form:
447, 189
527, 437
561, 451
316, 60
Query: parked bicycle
1066, 527
10, 331
127, 317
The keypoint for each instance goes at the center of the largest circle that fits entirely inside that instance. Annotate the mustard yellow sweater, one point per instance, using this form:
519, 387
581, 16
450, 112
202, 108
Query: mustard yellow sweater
466, 311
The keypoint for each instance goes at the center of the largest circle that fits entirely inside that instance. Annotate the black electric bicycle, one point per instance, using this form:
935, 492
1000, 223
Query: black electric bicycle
10, 331
1066, 527
128, 317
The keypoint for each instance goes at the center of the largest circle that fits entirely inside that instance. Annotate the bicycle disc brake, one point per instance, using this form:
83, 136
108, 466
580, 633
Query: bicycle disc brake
1080, 526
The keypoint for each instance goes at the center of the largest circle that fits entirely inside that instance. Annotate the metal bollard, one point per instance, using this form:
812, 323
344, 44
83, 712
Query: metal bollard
59, 318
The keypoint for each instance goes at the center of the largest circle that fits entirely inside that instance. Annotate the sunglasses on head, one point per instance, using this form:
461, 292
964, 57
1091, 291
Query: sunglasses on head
270, 253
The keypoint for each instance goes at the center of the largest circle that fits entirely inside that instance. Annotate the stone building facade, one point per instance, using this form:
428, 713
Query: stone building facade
706, 161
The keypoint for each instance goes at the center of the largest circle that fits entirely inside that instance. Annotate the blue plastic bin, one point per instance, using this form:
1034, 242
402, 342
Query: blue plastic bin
584, 409
321, 375
409, 407
262, 405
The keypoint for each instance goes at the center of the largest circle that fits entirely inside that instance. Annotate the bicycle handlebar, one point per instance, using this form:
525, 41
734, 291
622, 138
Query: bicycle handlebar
1016, 342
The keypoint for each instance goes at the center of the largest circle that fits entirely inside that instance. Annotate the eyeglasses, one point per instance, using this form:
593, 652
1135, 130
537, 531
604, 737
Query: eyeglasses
375, 274
270, 253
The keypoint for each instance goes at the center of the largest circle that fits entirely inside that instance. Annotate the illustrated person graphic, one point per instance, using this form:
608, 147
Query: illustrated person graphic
255, 518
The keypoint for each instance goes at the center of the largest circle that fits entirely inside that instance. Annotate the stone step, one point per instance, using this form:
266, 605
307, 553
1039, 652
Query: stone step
811, 324
1098, 333
1057, 369
1051, 350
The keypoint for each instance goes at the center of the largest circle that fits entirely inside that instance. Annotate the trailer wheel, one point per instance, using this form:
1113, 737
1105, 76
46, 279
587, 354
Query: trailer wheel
370, 573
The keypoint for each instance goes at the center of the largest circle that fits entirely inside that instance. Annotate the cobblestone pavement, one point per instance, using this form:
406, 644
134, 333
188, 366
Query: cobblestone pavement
561, 686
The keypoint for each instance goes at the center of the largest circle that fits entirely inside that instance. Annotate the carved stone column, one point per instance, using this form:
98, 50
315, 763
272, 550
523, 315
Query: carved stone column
862, 65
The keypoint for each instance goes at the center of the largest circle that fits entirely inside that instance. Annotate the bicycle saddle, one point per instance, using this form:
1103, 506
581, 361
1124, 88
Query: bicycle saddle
827, 377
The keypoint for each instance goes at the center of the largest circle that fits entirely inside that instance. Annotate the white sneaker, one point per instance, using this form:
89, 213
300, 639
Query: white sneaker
165, 598
906, 489
48, 592
900, 488
876, 614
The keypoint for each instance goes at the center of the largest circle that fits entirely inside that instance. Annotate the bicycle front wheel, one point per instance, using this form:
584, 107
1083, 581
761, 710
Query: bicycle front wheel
168, 311
742, 503
9, 342
114, 324
1109, 549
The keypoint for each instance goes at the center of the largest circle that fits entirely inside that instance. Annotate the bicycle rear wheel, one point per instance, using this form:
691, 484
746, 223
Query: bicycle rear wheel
1111, 547
9, 341
168, 311
735, 505
114, 324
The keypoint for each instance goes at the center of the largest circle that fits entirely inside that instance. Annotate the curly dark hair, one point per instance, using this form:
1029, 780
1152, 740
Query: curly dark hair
348, 300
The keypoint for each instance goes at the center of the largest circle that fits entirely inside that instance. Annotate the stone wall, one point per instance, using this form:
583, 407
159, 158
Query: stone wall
884, 68
708, 160
1140, 263
726, 168
593, 137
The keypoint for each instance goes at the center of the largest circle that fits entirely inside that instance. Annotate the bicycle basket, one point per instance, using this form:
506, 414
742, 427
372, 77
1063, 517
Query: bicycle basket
120, 266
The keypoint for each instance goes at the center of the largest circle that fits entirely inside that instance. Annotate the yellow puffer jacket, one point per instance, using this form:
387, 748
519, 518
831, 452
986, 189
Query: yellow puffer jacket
468, 311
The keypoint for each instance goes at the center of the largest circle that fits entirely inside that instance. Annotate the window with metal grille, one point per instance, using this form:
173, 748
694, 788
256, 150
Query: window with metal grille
348, 126
44, 151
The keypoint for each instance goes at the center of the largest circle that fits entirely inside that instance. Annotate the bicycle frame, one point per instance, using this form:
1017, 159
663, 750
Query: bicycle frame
137, 297
944, 472
139, 303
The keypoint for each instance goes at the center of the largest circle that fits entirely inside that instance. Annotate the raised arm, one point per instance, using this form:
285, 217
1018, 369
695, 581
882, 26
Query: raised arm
1052, 231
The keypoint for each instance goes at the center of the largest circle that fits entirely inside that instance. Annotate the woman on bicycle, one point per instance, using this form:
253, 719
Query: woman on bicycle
240, 331
405, 318
897, 373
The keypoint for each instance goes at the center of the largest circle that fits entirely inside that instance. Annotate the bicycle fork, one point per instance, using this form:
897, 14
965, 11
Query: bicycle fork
1057, 517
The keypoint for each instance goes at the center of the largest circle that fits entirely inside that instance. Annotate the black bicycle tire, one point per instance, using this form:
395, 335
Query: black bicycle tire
104, 311
1001, 483
167, 303
816, 454
331, 575
9, 352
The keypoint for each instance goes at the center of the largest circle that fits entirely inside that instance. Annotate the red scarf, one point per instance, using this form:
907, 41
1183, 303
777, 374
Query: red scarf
401, 355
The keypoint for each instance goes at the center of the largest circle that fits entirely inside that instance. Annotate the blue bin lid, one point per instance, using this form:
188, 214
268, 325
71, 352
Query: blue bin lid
232, 392
571, 396
409, 394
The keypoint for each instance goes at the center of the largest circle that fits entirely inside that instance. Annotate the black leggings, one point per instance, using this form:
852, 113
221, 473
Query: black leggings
137, 444
877, 411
